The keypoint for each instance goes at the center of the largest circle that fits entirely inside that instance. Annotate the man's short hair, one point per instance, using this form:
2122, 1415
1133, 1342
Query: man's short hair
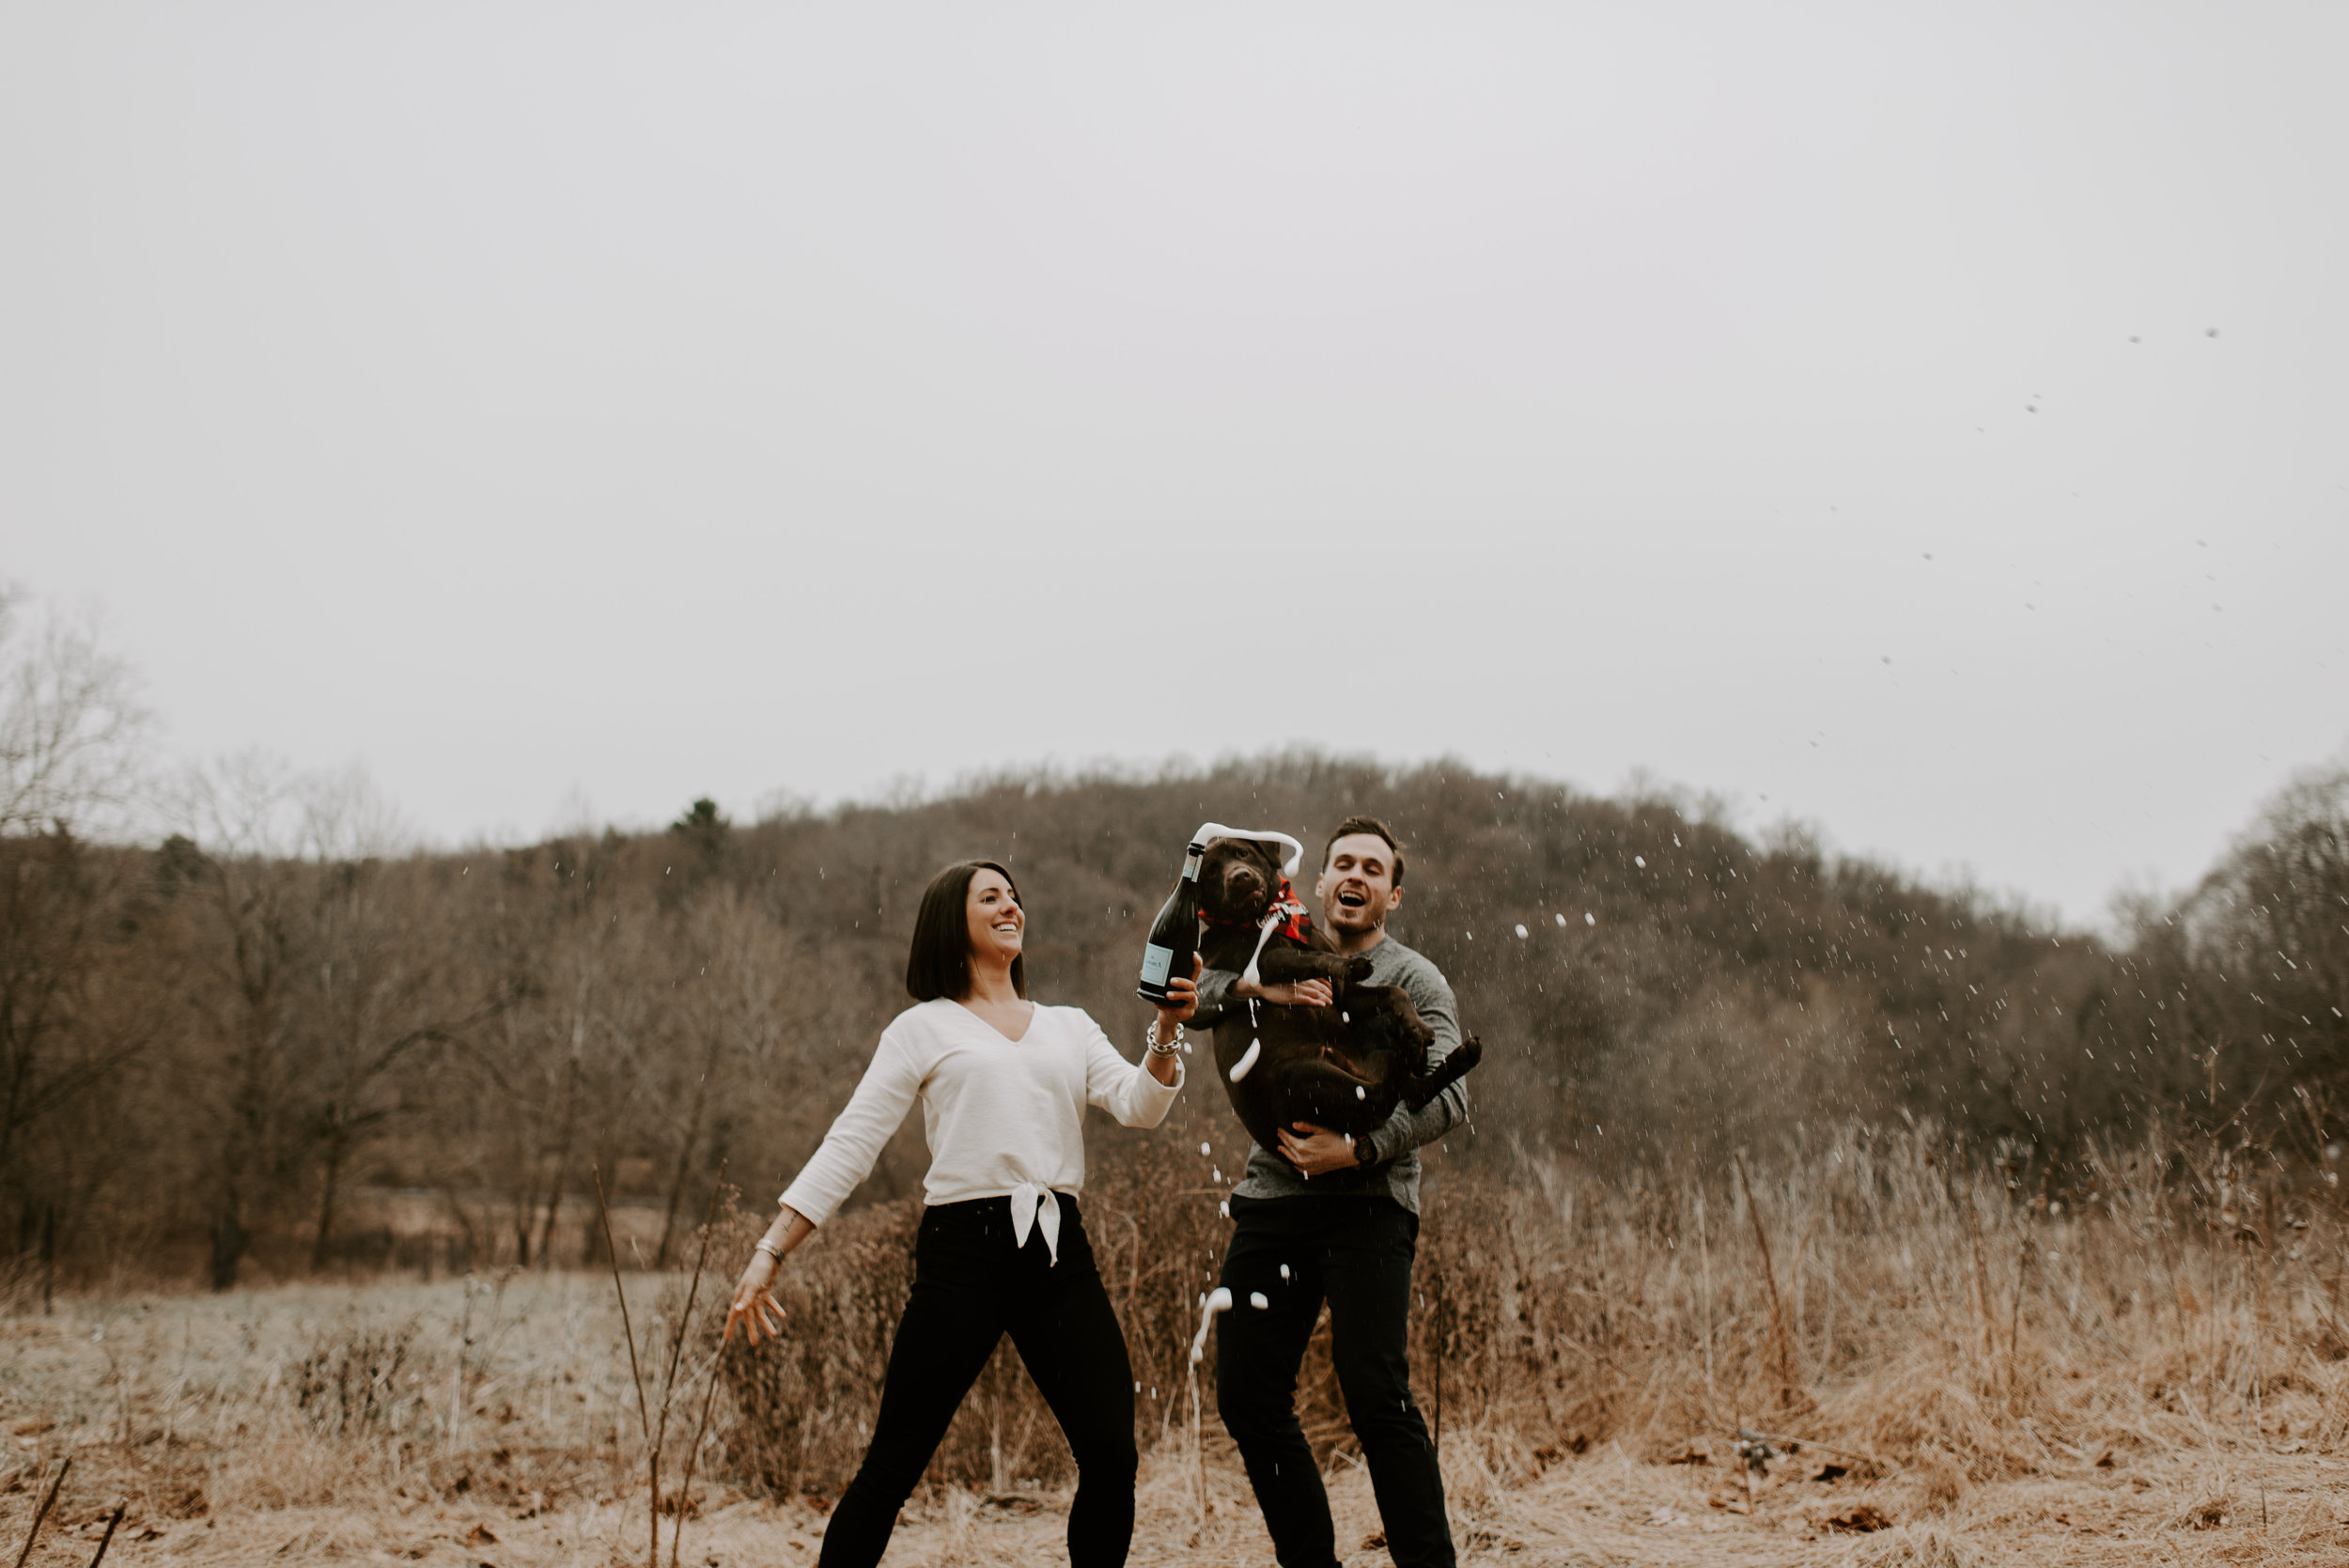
1372, 826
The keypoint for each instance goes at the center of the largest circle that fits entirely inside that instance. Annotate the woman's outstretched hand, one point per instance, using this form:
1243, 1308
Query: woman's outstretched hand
755, 1305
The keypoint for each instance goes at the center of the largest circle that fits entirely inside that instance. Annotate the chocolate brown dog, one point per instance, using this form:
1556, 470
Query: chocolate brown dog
1345, 1067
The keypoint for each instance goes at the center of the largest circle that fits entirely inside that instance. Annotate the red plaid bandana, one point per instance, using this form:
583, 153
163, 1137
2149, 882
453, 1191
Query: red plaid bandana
1295, 923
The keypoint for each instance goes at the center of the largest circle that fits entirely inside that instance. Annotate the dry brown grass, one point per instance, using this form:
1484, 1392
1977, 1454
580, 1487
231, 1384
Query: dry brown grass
1973, 1378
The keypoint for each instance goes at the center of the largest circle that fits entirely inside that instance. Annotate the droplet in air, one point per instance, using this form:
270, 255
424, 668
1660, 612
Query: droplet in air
1284, 1271
1219, 1173
1639, 860
1360, 1093
1257, 1299
1224, 1210
1521, 931
1203, 1148
1562, 920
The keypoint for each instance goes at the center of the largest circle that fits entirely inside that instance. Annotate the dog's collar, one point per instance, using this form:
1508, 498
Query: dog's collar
1287, 916
1286, 913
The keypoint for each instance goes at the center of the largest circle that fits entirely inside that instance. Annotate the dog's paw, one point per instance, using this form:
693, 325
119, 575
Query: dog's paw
1358, 969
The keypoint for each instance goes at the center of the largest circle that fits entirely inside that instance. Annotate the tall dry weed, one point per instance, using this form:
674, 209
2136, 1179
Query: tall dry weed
1922, 1318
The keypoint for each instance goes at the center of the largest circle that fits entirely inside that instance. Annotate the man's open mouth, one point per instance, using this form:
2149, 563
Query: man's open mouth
1351, 899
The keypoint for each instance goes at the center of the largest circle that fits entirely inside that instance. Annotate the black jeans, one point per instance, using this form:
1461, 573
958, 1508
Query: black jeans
970, 1287
1357, 1252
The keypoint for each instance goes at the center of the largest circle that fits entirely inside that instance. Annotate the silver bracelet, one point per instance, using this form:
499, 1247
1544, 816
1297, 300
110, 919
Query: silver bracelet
763, 1244
1172, 1047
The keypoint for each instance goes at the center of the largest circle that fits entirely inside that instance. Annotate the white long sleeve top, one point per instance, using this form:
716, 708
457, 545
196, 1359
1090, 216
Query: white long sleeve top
1003, 1117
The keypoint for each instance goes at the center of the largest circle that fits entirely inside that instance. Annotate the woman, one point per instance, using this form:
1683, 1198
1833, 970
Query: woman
1004, 1084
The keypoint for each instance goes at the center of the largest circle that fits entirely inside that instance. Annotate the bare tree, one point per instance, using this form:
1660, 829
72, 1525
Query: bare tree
2275, 916
323, 974
382, 986
73, 735
72, 757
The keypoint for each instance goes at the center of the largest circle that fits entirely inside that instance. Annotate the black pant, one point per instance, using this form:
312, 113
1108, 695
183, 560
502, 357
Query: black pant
1357, 1252
970, 1287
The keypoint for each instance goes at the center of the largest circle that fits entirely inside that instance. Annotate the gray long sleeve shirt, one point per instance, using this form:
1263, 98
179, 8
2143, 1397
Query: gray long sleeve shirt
1396, 1173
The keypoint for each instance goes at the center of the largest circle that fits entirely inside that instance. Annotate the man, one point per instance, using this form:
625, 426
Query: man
1324, 1218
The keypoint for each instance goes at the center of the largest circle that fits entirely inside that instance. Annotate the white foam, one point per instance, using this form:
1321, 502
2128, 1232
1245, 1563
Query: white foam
1240, 1068
1208, 1306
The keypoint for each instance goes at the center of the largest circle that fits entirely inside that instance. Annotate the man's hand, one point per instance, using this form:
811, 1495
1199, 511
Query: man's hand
1315, 1151
1301, 993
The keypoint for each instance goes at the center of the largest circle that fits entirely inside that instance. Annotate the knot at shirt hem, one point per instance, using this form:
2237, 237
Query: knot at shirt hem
1037, 1206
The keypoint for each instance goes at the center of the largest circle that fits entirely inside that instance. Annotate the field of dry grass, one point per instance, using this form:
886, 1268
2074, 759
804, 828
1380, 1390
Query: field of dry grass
2155, 1373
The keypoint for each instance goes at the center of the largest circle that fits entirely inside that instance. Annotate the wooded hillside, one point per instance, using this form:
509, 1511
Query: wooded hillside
205, 1051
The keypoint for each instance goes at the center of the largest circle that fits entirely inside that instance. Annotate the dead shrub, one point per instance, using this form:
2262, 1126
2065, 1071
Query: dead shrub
351, 1380
1914, 1547
1941, 1479
2209, 1511
1913, 1318
803, 1410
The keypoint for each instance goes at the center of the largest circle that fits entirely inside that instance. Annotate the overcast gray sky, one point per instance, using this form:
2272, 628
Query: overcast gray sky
562, 407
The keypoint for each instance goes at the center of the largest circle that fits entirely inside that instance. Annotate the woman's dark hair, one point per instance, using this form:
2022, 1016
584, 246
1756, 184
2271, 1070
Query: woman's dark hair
939, 963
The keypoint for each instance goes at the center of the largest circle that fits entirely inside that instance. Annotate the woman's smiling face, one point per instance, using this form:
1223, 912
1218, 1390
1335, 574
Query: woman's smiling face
997, 922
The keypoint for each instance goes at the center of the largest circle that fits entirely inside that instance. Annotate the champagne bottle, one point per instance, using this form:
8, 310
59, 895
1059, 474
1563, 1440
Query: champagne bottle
1175, 935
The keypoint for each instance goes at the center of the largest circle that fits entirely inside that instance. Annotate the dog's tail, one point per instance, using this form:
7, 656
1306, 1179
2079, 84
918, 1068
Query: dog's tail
1451, 1070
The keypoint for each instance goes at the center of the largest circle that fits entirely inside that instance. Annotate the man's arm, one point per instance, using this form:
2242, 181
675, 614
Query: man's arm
1407, 1128
1220, 989
1215, 993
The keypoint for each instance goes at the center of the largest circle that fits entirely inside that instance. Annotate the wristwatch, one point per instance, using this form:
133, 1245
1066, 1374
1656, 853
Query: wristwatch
1365, 1152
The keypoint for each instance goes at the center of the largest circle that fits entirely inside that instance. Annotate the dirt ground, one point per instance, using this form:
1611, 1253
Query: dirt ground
478, 1423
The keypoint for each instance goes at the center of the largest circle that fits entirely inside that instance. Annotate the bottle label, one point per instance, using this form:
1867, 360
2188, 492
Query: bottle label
1156, 961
